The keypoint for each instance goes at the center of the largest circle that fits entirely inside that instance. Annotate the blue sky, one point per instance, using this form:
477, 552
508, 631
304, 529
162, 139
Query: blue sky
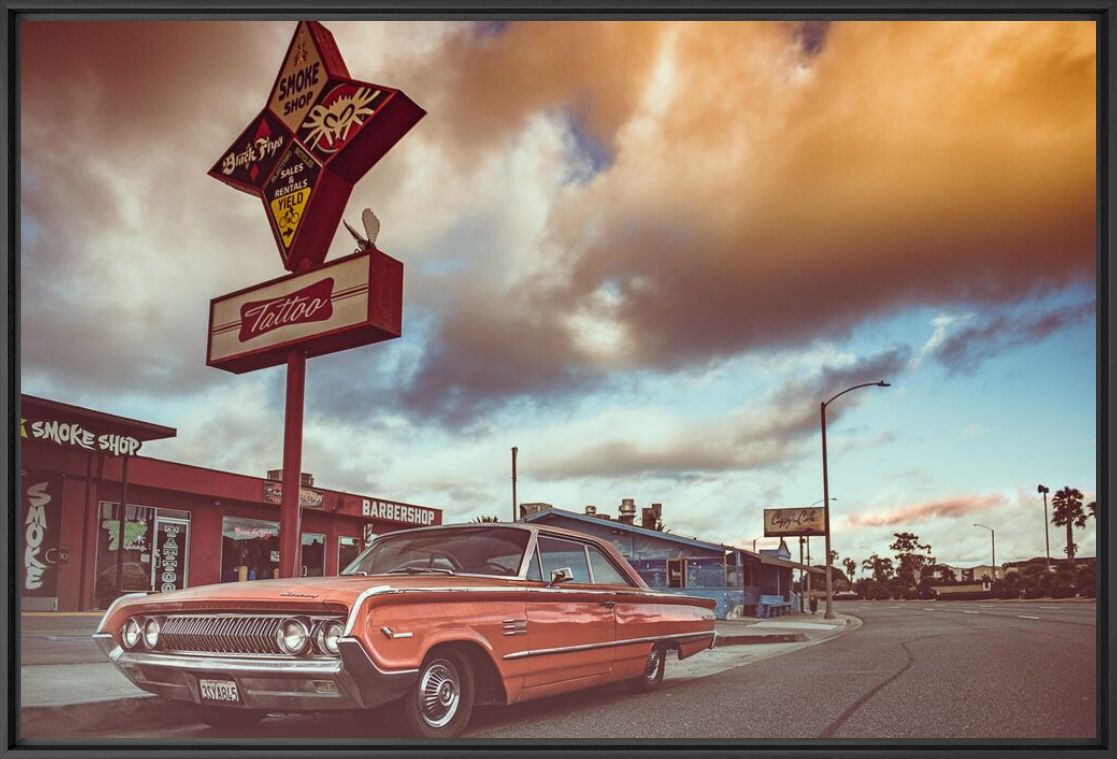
644, 265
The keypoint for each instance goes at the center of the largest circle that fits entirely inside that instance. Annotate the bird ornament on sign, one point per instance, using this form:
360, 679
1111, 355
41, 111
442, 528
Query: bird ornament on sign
318, 134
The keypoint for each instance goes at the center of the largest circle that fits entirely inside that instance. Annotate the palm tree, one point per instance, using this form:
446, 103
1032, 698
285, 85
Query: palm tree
1066, 510
881, 568
851, 567
484, 519
1092, 507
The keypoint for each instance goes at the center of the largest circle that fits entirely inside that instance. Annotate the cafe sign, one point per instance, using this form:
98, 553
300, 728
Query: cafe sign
794, 522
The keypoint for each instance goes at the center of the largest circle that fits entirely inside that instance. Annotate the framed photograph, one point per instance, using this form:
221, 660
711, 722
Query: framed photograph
423, 378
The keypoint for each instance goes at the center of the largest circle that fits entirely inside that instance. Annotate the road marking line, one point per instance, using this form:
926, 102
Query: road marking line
988, 606
1052, 608
971, 612
1022, 616
928, 610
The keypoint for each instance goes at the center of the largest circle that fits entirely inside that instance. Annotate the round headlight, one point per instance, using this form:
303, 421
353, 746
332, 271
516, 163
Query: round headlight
293, 637
328, 635
130, 633
151, 633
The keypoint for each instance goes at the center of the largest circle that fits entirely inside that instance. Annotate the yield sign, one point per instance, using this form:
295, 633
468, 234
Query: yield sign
318, 134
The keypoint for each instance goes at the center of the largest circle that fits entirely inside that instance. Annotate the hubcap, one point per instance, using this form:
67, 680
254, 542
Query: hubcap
652, 664
439, 693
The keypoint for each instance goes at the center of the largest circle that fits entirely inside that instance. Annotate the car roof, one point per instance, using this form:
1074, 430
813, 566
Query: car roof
538, 528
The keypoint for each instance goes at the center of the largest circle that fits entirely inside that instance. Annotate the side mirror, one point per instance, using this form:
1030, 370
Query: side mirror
562, 574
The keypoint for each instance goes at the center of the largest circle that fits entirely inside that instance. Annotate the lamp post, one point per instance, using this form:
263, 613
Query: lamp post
826, 494
1046, 536
993, 536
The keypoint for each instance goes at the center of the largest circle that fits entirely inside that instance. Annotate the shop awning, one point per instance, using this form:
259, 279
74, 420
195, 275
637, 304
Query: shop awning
32, 407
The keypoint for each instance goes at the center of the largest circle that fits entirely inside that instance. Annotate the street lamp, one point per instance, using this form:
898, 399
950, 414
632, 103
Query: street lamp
1046, 536
826, 494
993, 536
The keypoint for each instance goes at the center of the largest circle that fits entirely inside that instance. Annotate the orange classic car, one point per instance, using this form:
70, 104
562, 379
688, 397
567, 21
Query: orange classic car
435, 620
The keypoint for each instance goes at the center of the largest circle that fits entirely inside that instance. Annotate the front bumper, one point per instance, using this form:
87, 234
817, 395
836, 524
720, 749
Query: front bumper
353, 681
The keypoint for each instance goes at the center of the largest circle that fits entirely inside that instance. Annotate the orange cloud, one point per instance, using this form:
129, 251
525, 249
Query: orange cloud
954, 506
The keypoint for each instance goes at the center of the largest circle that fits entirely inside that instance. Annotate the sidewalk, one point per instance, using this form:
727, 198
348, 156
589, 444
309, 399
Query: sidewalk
82, 692
790, 628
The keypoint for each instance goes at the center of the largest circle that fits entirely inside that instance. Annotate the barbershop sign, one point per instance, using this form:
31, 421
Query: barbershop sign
794, 522
62, 432
397, 512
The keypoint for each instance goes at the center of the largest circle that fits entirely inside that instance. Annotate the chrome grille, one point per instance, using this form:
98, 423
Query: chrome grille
250, 634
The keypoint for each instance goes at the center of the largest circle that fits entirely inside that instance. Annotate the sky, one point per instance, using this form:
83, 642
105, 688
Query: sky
641, 252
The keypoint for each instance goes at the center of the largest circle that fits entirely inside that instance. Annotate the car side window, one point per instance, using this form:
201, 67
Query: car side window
557, 553
533, 570
603, 570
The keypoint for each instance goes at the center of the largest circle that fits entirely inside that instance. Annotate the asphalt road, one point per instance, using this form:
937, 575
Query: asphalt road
914, 670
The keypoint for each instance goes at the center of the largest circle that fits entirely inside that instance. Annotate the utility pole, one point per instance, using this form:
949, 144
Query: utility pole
515, 450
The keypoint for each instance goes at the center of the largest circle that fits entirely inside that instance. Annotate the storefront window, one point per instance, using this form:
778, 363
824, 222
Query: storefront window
133, 565
705, 573
249, 549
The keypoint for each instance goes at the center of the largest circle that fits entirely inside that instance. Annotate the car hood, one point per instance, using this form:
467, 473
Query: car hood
304, 591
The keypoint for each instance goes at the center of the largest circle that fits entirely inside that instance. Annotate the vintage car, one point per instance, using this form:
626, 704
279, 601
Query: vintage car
435, 619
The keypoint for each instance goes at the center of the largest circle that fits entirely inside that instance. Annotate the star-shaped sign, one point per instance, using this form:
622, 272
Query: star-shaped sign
318, 134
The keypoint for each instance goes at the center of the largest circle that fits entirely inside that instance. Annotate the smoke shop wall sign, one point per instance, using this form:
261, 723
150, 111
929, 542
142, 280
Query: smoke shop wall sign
319, 133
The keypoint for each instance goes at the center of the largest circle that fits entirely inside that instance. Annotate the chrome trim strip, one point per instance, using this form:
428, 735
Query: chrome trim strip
608, 644
113, 605
356, 608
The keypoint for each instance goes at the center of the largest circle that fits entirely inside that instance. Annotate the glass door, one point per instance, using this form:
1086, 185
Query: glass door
168, 566
314, 554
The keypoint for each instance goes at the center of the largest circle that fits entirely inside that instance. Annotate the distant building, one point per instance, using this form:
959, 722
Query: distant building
739, 581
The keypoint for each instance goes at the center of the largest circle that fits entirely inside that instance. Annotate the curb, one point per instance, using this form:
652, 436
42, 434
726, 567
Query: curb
741, 640
109, 714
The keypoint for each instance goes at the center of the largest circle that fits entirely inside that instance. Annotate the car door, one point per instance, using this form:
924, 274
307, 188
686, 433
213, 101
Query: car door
570, 627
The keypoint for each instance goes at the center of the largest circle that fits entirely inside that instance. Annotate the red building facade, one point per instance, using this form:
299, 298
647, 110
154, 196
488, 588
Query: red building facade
183, 525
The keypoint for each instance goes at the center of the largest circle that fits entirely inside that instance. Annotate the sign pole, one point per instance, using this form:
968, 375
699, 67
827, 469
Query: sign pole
289, 512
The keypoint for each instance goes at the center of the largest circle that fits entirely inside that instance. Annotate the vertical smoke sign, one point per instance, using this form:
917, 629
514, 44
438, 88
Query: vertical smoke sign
42, 494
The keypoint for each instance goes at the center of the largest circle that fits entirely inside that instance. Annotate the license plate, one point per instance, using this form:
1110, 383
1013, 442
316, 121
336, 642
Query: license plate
219, 691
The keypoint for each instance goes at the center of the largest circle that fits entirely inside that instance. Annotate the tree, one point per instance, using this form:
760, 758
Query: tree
484, 519
1092, 507
881, 568
1066, 510
850, 567
911, 559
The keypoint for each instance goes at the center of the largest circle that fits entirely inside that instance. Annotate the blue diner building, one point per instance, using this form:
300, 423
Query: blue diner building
743, 583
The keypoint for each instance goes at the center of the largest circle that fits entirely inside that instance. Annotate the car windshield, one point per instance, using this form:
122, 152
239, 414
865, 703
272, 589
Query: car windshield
470, 550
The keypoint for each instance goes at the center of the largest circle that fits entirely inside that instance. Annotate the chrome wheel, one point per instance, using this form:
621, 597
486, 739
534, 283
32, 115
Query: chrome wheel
439, 693
653, 664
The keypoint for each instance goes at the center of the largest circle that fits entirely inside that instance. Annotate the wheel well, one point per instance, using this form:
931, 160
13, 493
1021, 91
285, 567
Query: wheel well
489, 686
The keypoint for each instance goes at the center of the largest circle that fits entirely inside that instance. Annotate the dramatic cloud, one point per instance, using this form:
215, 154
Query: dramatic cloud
760, 196
921, 512
963, 349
